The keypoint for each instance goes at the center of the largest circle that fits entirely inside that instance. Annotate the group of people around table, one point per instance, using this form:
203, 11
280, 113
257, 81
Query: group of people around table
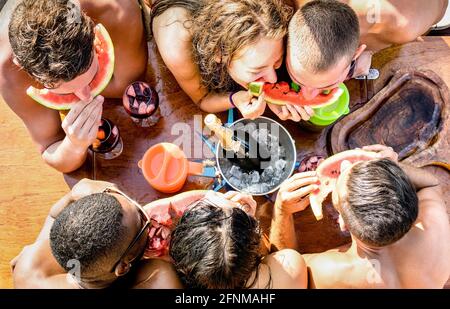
96, 236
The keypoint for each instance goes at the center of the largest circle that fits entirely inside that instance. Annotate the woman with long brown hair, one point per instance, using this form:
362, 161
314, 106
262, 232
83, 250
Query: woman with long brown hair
216, 48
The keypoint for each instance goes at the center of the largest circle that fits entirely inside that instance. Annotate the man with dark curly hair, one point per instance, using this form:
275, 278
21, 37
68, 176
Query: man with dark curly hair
50, 44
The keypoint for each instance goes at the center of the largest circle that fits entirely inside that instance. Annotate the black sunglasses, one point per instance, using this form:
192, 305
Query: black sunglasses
352, 70
146, 224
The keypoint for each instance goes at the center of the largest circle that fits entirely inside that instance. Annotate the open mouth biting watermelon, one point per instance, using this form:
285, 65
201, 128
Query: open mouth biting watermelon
105, 54
328, 173
282, 93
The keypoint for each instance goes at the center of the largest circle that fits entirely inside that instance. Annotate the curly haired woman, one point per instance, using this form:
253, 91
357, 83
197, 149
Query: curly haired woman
216, 48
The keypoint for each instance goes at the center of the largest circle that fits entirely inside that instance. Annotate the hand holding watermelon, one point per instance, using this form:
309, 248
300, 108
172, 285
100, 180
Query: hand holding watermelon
82, 122
250, 107
293, 194
291, 112
383, 152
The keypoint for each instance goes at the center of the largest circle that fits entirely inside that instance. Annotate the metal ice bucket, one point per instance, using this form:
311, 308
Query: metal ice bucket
285, 140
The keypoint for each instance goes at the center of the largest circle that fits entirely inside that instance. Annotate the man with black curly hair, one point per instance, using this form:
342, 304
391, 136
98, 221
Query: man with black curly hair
94, 237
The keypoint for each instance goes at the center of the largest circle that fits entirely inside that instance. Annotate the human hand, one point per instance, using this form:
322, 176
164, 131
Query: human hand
383, 152
363, 64
246, 201
82, 122
291, 112
250, 107
293, 194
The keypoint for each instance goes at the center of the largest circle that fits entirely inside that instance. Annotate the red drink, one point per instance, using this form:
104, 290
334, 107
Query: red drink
142, 103
109, 143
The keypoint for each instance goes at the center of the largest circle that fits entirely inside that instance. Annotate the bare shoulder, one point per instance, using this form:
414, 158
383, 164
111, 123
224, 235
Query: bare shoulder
119, 11
325, 269
157, 274
287, 269
432, 209
172, 37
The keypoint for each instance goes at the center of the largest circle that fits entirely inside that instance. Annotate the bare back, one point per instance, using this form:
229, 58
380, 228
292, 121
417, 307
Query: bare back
419, 260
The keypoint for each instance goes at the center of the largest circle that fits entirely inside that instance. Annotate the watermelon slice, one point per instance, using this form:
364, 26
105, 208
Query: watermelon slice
105, 53
282, 93
164, 216
328, 172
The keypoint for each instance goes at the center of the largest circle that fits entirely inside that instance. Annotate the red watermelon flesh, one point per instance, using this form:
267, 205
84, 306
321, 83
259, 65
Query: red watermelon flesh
163, 216
328, 173
105, 54
281, 93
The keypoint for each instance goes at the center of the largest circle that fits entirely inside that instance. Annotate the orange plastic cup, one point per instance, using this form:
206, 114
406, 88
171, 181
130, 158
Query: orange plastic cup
165, 167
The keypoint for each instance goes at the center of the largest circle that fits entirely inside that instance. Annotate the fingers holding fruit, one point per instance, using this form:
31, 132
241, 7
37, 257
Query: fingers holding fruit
293, 194
384, 152
250, 107
245, 201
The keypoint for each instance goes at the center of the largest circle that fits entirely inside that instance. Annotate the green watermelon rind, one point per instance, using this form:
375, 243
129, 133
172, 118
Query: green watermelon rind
36, 94
256, 88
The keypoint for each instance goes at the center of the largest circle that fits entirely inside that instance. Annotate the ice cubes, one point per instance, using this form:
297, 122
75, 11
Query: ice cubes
280, 165
254, 176
260, 182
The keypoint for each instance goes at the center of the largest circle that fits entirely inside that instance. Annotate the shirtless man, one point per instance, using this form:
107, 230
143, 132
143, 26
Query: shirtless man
400, 238
41, 45
92, 238
321, 53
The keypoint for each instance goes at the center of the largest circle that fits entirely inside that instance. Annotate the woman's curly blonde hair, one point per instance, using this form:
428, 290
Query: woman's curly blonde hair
221, 28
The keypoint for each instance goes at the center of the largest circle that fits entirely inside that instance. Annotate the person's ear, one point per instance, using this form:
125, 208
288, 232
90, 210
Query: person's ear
359, 51
16, 62
342, 224
122, 269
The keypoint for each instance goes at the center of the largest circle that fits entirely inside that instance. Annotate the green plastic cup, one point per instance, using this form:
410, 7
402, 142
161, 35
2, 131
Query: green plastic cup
324, 116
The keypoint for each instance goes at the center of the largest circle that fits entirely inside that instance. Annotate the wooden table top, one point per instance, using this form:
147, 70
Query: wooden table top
24, 202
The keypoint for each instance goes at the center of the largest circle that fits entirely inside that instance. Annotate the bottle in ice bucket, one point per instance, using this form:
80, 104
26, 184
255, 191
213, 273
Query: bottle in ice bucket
327, 115
142, 104
108, 144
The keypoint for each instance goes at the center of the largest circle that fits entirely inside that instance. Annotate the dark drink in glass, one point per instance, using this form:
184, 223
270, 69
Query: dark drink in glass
141, 102
109, 143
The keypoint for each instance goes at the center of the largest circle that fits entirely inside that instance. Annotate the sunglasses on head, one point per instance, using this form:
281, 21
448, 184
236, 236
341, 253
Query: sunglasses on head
146, 222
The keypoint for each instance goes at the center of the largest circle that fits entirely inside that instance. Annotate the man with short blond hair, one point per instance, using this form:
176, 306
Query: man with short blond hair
331, 41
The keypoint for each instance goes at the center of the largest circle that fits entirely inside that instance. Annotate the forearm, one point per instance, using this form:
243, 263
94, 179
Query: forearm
215, 102
64, 157
282, 230
419, 177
